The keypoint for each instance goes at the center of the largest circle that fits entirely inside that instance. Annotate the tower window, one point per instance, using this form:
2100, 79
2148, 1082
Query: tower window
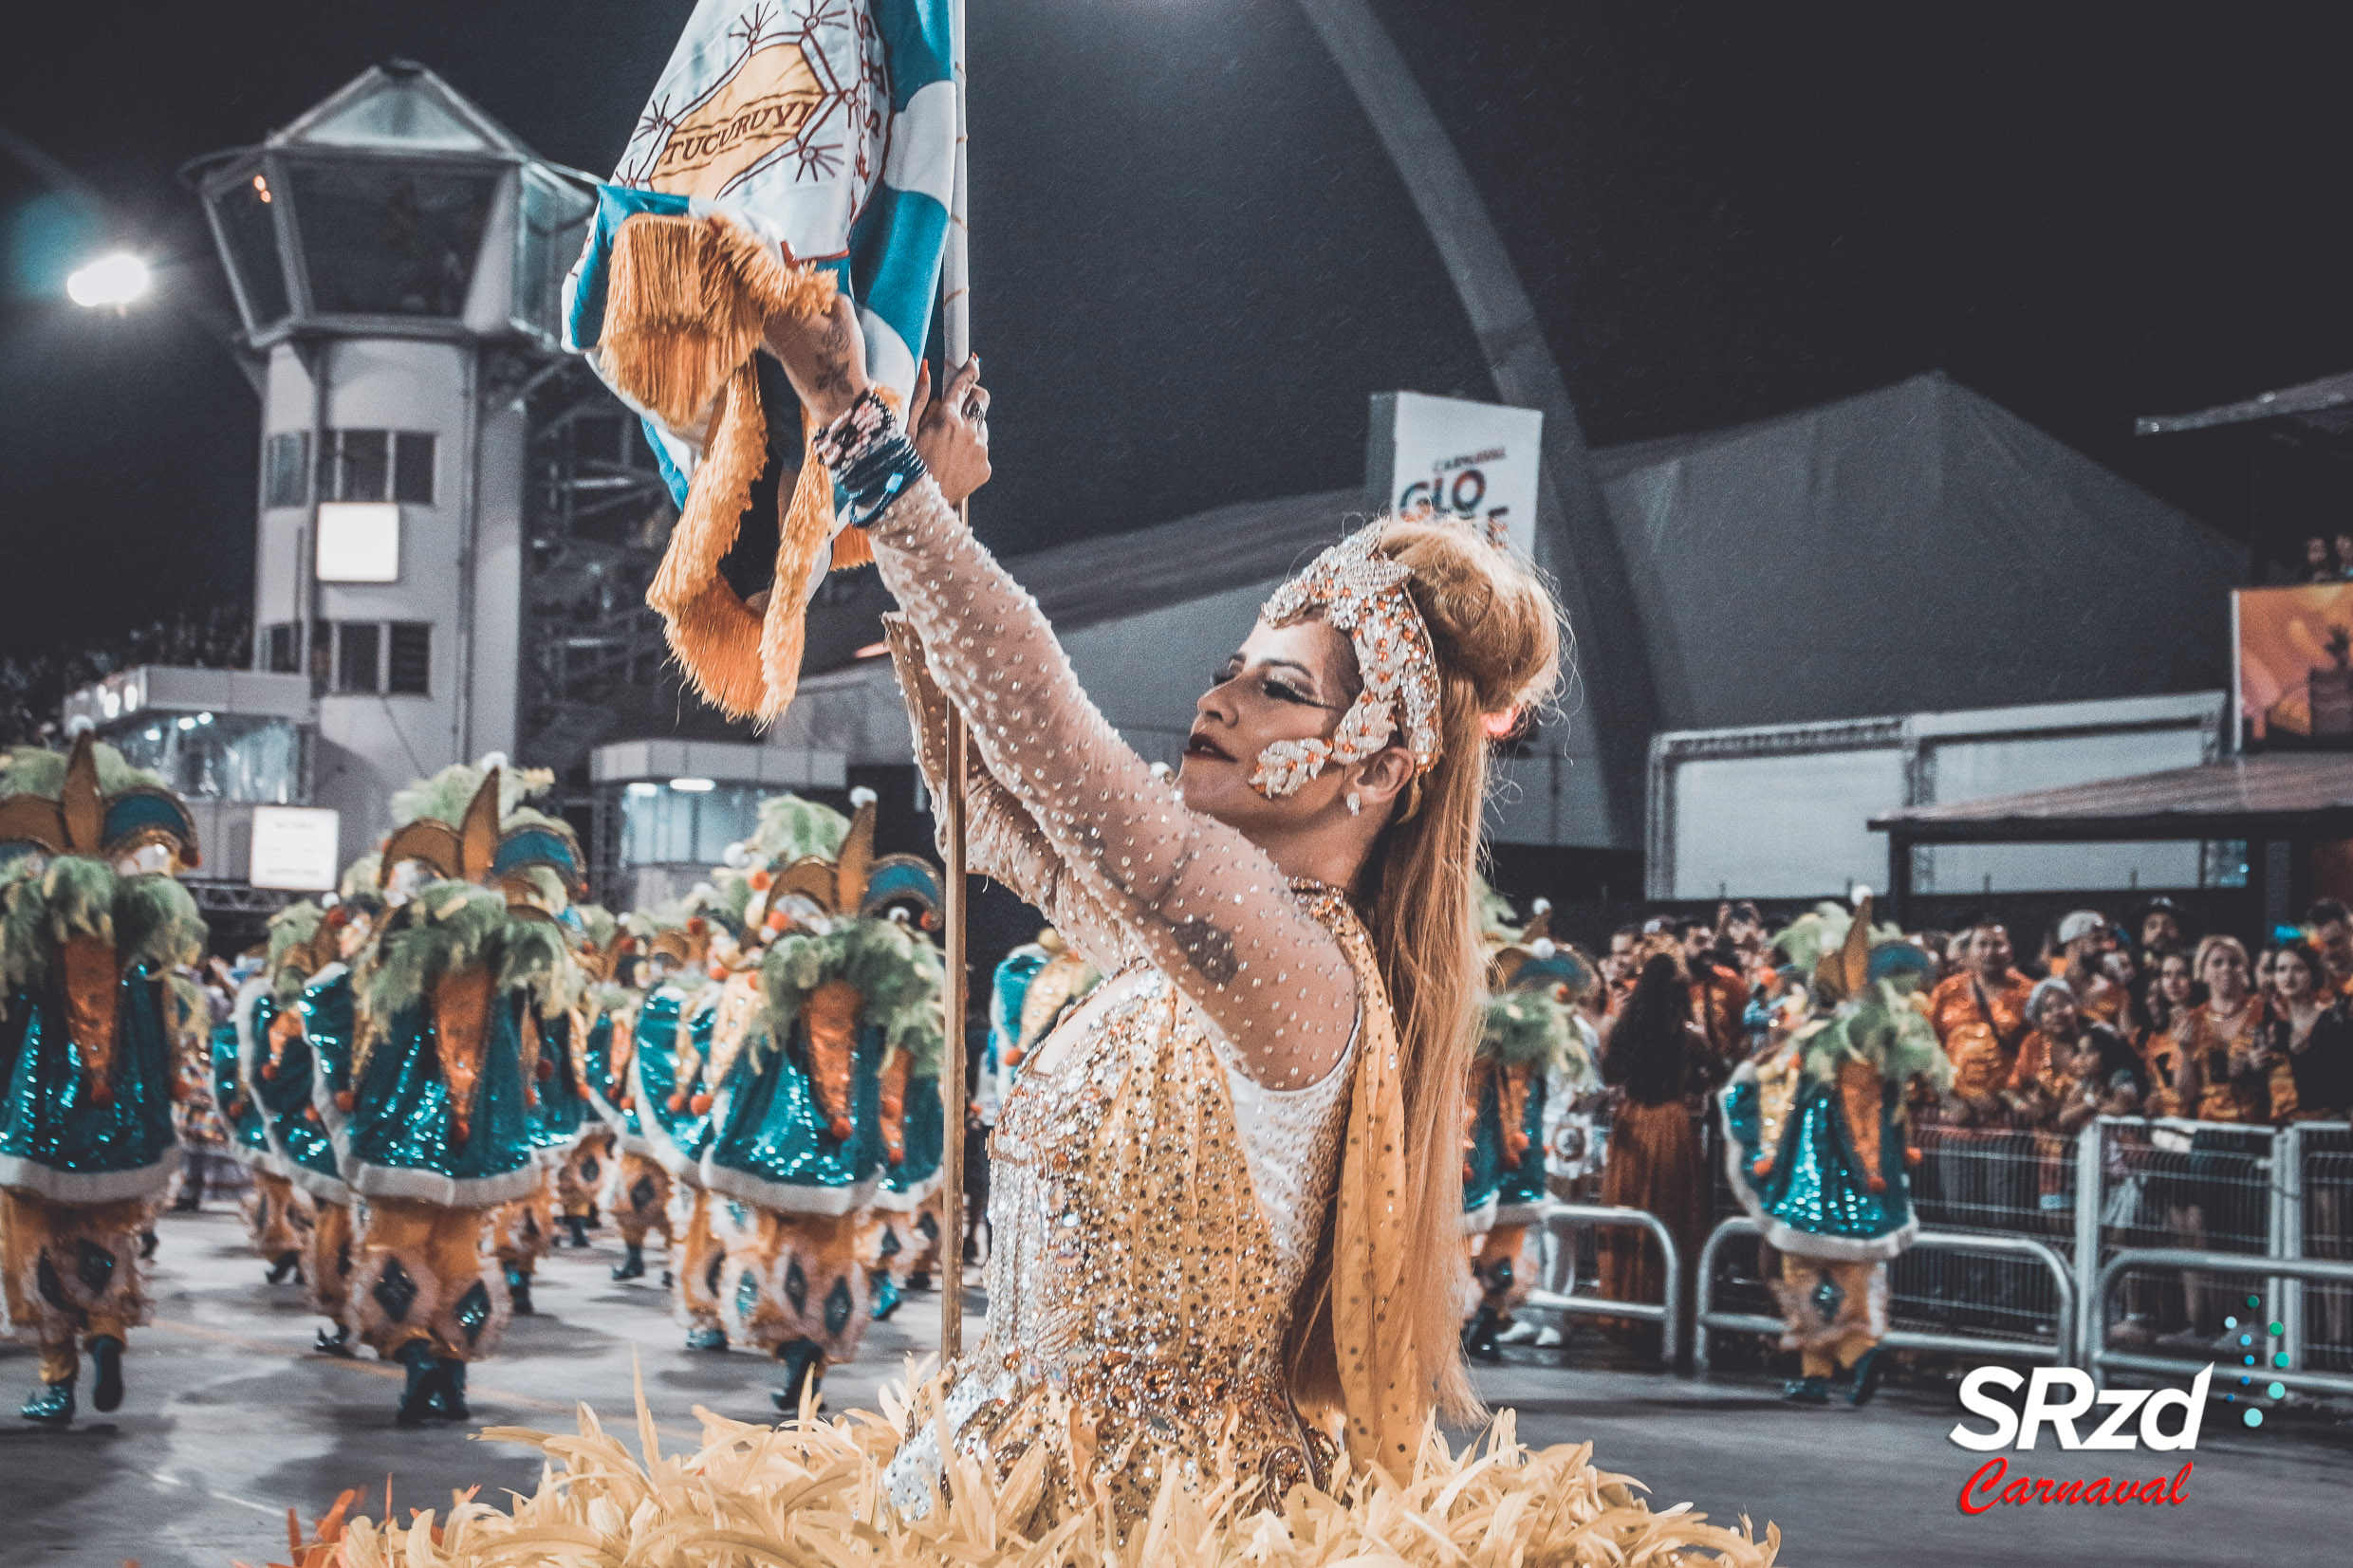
409, 671
358, 656
286, 462
411, 474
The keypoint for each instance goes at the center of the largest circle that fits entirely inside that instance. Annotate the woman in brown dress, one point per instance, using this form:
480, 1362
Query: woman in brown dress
1652, 1058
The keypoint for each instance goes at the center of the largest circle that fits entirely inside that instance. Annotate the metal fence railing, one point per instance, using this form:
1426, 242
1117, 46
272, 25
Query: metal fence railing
2028, 1253
2021, 1234
1566, 1222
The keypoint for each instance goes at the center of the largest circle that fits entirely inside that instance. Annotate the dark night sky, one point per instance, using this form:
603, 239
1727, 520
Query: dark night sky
1193, 264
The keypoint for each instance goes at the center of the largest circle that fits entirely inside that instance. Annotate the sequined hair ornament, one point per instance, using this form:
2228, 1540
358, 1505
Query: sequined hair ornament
1363, 593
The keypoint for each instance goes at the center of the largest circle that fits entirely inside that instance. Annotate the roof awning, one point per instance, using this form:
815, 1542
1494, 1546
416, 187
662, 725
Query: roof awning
2278, 795
2310, 397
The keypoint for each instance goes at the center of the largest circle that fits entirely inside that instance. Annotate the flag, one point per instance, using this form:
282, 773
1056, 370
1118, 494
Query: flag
792, 149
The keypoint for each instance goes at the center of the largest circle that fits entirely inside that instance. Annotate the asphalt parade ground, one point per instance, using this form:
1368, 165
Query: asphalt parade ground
231, 1419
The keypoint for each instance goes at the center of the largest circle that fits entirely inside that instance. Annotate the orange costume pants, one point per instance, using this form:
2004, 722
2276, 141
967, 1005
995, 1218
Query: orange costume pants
73, 1273
1831, 1341
422, 1275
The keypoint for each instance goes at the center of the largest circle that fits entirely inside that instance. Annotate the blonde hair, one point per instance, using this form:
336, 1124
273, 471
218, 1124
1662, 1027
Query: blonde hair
1496, 632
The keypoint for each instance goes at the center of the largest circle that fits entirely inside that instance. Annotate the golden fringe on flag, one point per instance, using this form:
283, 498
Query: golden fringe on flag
812, 1493
689, 301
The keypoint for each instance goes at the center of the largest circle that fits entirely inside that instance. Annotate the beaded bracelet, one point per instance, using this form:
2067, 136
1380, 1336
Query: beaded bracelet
871, 458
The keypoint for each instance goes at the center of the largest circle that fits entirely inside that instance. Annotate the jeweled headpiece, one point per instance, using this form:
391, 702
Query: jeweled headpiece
1363, 593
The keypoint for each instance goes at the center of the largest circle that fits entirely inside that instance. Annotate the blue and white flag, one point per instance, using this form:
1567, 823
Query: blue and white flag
819, 132
827, 125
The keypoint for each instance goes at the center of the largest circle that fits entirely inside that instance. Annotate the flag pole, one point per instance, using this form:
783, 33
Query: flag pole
956, 336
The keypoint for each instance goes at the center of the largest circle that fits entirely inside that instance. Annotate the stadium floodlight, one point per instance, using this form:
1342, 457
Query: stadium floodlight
116, 279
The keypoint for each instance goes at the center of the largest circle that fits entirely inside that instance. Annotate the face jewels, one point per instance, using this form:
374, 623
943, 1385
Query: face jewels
1362, 594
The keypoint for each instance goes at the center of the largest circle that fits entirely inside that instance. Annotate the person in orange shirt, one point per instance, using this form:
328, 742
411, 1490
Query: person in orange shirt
1980, 1017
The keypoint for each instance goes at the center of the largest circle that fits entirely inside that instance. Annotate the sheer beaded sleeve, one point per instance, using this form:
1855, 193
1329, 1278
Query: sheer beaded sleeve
1002, 841
1111, 844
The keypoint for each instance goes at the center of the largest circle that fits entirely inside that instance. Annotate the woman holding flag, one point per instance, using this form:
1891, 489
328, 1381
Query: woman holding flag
1274, 1074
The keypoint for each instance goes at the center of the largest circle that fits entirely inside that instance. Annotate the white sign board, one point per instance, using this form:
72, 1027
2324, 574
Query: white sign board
359, 542
1447, 456
295, 848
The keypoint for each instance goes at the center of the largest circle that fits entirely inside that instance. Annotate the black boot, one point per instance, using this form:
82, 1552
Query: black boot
1869, 1370
285, 1269
707, 1337
51, 1404
918, 1281
107, 1360
519, 1291
417, 1398
147, 1246
336, 1343
1478, 1340
805, 1367
1806, 1390
632, 1265
449, 1400
578, 1226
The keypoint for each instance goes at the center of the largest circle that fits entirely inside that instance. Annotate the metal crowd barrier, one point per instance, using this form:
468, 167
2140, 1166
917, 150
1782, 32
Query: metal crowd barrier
2151, 1191
1563, 1220
2024, 1231
1706, 1318
2101, 1358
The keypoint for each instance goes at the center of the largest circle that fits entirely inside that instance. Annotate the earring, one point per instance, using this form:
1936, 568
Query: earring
1355, 804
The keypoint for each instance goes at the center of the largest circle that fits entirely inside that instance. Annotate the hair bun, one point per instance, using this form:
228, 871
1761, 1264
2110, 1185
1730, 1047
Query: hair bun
1492, 620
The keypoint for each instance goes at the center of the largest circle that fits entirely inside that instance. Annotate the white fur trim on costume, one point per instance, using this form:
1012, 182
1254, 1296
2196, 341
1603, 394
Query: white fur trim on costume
1480, 1221
1524, 1213
392, 1181
784, 1199
908, 1201
659, 1146
90, 1187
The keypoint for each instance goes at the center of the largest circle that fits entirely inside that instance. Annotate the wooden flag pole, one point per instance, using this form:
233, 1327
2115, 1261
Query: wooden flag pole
955, 335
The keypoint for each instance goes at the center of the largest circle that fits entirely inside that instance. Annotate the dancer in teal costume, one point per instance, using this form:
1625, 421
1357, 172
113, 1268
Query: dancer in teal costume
438, 1131
846, 995
92, 923
1814, 1138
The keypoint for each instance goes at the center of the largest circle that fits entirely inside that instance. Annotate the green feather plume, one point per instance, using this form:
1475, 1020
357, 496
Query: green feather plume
32, 771
447, 927
898, 976
445, 796
150, 919
792, 829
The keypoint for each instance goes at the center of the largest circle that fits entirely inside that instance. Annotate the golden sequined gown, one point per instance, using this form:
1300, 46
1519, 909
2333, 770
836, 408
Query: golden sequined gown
1165, 1172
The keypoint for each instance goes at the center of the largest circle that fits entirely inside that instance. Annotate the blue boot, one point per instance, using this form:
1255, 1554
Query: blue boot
805, 1367
107, 1357
420, 1395
885, 1293
51, 1404
1806, 1390
1869, 1370
448, 1399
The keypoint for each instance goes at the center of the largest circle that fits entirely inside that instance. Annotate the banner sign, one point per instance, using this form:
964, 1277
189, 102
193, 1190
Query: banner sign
1448, 456
2292, 649
295, 848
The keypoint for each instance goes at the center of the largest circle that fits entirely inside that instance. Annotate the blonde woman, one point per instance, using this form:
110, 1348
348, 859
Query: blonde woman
1225, 1190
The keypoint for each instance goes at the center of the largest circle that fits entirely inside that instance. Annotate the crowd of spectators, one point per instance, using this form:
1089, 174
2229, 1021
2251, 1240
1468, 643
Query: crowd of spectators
2206, 1046
32, 687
